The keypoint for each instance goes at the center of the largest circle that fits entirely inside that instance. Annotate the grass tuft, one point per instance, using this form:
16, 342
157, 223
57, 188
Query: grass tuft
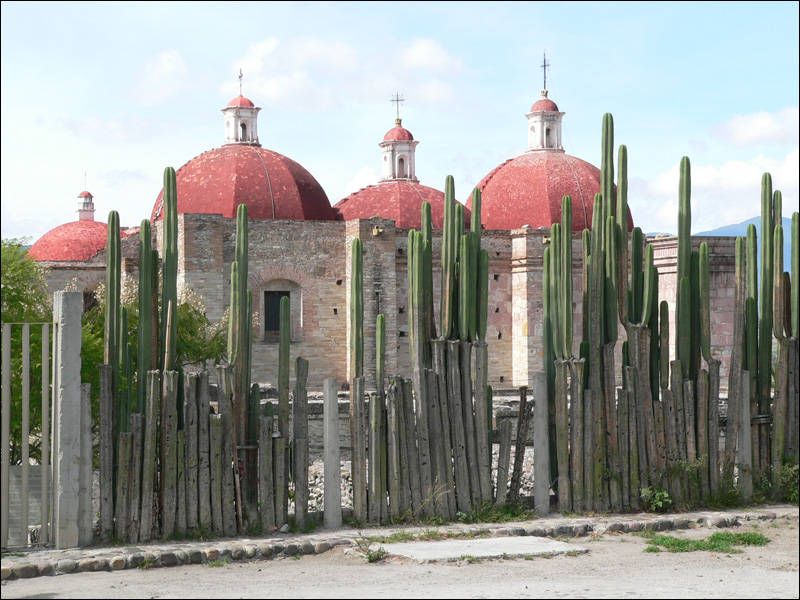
723, 541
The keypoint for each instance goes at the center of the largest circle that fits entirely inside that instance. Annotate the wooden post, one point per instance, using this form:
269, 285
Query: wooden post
458, 435
45, 440
525, 409
394, 444
169, 461
623, 437
374, 460
333, 476
266, 486
504, 461
149, 457
123, 469
744, 455
439, 366
691, 436
230, 509
713, 425
412, 453
482, 421
85, 512
134, 486
359, 451
190, 428
6, 430
405, 502
702, 432
468, 416
614, 501
106, 455
562, 437
439, 466
541, 444
215, 472
779, 409
300, 442
25, 426
576, 432
588, 446
634, 450
203, 466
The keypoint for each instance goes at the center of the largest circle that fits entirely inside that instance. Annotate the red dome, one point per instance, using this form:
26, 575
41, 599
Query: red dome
527, 190
85, 195
398, 134
270, 184
397, 199
241, 102
76, 241
544, 105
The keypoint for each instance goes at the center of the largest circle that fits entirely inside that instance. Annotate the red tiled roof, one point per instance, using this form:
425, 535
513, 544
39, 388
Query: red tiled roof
241, 102
527, 190
85, 195
75, 241
270, 184
397, 199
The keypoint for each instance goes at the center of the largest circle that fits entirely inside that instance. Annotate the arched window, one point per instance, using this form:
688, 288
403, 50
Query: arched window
272, 294
547, 136
401, 167
243, 137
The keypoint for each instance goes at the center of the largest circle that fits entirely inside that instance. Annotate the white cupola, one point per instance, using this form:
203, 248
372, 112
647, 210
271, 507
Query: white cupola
544, 125
86, 211
241, 119
398, 147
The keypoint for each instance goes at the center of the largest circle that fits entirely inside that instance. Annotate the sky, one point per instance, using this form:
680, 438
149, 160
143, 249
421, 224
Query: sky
103, 96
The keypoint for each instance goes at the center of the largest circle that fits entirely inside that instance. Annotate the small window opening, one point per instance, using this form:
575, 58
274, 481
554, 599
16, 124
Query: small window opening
272, 314
244, 132
336, 311
497, 310
338, 282
401, 168
496, 276
499, 335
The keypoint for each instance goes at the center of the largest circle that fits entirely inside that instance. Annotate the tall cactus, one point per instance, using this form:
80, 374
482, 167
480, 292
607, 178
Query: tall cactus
113, 307
607, 168
795, 294
145, 351
169, 282
705, 312
622, 235
356, 310
765, 296
448, 261
683, 346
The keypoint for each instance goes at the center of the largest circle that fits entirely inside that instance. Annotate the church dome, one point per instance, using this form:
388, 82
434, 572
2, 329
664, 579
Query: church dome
75, 241
544, 105
397, 199
272, 186
527, 190
398, 133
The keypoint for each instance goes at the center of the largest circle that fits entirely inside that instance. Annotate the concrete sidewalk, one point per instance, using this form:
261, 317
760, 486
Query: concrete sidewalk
54, 562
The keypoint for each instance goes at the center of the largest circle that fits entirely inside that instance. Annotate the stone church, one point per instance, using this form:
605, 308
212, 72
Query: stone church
300, 245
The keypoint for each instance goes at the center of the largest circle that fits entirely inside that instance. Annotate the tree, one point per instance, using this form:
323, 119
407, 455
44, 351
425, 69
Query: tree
24, 300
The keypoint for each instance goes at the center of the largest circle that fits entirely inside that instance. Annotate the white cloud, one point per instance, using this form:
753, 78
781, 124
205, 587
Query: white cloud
761, 127
360, 179
428, 55
721, 194
163, 77
313, 73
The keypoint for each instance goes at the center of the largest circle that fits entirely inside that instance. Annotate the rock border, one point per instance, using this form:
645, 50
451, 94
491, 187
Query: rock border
61, 562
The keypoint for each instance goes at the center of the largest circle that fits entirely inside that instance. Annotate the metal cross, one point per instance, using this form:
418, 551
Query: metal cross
544, 66
240, 80
397, 99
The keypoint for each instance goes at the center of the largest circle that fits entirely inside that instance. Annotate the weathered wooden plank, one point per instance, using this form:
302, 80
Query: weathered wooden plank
418, 506
634, 450
422, 436
123, 469
439, 471
468, 416
744, 454
374, 460
135, 484
44, 443
25, 424
333, 475
713, 425
106, 454
203, 465
215, 443
702, 431
691, 438
457, 433
612, 442
300, 442
504, 460
562, 437
394, 445
483, 447
439, 366
358, 462
266, 485
5, 460
152, 403
588, 444
624, 449
779, 407
406, 502
541, 444
180, 511
576, 433
229, 510
676, 389
168, 464
85, 512
523, 420
190, 436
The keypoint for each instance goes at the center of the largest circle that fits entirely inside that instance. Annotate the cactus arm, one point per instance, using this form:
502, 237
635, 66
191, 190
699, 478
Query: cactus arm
705, 303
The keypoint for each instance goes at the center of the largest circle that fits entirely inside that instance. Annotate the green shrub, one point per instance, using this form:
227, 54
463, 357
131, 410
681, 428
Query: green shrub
656, 499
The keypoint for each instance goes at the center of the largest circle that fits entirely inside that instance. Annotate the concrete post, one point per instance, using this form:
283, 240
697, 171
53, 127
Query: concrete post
67, 308
541, 446
333, 476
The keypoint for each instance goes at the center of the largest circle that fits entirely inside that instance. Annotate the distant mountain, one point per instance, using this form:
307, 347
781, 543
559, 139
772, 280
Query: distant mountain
740, 229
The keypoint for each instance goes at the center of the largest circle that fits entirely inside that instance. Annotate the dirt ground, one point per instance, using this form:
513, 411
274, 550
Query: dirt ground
616, 566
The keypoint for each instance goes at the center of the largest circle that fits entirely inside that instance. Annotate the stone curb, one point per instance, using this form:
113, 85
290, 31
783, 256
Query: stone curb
229, 551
